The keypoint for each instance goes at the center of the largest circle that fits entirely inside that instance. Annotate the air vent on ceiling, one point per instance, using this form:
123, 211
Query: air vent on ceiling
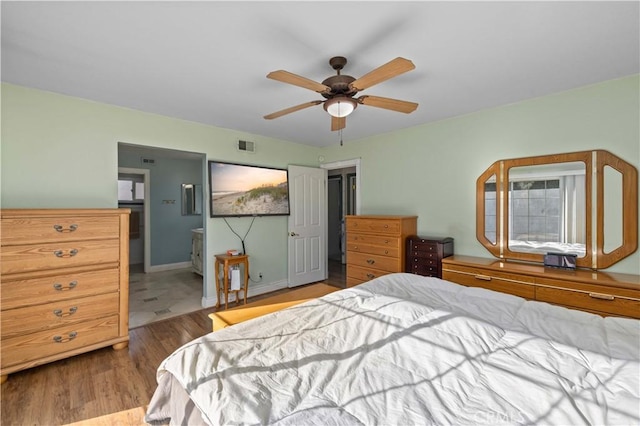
246, 146
148, 161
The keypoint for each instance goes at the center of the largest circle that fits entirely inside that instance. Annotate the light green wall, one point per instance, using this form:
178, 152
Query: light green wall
62, 152
431, 170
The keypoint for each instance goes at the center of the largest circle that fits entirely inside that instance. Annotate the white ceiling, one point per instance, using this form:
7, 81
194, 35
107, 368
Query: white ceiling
207, 61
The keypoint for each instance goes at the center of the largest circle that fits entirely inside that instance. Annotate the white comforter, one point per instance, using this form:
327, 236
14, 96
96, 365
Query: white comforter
404, 349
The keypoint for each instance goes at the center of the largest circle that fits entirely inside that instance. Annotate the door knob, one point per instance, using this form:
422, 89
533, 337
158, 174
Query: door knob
293, 234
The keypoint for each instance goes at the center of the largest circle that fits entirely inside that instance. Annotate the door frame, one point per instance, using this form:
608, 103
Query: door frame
355, 162
146, 174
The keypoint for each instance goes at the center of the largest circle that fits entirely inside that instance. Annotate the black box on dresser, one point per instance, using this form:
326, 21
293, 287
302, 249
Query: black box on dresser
424, 254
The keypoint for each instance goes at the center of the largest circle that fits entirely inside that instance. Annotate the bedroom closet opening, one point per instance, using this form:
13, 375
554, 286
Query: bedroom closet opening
341, 201
164, 281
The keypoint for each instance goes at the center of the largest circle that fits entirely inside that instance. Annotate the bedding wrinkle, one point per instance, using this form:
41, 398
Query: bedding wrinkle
410, 350
346, 360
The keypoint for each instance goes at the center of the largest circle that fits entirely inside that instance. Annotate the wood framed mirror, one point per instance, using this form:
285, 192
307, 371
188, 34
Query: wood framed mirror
583, 203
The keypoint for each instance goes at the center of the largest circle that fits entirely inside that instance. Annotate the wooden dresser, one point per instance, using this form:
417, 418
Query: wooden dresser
65, 284
376, 245
425, 254
606, 294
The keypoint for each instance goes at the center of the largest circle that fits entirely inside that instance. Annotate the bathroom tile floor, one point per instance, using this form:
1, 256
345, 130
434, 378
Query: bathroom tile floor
160, 295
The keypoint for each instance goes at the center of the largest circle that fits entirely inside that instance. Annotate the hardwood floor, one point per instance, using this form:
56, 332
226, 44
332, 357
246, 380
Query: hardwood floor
107, 381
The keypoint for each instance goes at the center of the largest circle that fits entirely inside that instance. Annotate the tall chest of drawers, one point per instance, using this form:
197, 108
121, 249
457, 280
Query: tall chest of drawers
64, 284
425, 254
376, 245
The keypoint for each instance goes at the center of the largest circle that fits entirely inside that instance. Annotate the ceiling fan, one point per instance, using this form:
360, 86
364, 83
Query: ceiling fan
339, 90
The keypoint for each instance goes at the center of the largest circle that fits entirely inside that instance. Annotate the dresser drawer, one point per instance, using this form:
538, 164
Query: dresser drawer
23, 258
30, 347
30, 230
354, 281
383, 263
376, 240
21, 321
423, 247
423, 254
422, 269
378, 226
368, 248
517, 285
624, 302
37, 290
422, 261
363, 273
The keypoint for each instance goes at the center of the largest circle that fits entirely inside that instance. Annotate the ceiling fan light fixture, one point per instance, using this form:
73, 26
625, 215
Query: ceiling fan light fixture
340, 106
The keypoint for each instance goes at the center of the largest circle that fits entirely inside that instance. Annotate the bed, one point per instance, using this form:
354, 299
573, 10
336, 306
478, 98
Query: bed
544, 247
404, 349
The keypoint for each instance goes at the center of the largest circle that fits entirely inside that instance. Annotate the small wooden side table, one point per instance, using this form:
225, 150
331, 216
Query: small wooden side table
226, 261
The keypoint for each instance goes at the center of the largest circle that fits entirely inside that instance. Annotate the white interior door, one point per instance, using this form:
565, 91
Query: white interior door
307, 225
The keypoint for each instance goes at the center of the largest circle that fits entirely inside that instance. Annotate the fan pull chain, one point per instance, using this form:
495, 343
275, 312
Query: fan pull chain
340, 137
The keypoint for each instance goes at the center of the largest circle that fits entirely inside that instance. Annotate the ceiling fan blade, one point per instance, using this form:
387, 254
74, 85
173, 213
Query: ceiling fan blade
291, 109
338, 123
385, 72
296, 80
388, 103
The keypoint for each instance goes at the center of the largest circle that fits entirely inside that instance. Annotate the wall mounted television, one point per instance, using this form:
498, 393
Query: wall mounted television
247, 190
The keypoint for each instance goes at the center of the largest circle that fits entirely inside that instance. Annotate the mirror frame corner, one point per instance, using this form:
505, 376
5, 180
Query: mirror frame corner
629, 209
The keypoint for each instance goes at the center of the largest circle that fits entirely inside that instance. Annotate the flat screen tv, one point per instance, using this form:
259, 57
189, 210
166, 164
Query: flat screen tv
246, 190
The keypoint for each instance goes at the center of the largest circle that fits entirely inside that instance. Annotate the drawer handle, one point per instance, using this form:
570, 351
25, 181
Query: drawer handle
370, 276
601, 296
371, 261
70, 253
59, 313
61, 228
60, 339
386, 241
386, 252
483, 277
386, 226
355, 247
71, 285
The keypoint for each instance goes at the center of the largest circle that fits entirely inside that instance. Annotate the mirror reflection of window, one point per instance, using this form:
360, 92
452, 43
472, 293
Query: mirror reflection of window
547, 208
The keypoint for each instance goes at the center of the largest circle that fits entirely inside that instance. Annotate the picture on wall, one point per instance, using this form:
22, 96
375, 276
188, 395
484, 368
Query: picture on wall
247, 190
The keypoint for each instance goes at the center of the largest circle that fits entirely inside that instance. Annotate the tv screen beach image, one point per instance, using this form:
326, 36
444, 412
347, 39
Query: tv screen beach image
243, 190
